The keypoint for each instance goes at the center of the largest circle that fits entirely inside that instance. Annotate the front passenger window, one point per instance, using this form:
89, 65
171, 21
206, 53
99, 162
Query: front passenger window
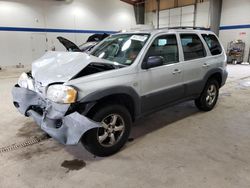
166, 47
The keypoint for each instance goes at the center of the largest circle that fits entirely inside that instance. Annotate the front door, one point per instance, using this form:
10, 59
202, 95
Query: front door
162, 85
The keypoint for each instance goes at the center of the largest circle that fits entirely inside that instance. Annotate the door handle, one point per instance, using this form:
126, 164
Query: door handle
205, 65
176, 71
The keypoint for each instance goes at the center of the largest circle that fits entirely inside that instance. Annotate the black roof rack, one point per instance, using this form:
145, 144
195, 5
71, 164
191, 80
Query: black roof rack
186, 27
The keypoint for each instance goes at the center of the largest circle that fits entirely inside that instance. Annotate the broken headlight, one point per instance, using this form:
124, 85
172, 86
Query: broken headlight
25, 81
61, 94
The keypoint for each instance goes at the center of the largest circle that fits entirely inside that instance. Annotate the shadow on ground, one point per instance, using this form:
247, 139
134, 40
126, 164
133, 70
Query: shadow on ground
144, 126
29, 129
163, 118
141, 128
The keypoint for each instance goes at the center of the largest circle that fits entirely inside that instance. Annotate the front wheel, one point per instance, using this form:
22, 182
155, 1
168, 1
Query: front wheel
209, 96
110, 138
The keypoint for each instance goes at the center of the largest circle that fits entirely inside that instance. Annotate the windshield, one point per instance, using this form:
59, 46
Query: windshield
122, 48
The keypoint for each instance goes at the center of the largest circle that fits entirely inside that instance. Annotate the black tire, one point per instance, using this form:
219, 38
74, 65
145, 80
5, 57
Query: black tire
202, 103
91, 138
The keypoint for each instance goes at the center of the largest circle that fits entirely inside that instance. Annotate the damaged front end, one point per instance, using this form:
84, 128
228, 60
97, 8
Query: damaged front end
56, 119
45, 96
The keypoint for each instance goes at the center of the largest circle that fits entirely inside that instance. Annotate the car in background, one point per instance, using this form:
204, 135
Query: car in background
91, 42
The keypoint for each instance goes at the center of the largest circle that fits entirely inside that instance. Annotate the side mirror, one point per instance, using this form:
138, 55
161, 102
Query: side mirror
153, 61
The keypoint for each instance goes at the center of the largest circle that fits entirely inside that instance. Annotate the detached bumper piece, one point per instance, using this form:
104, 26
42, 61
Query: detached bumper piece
51, 117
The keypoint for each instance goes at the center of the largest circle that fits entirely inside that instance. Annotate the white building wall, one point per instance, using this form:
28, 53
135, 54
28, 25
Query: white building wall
235, 15
150, 18
182, 16
187, 15
23, 47
203, 15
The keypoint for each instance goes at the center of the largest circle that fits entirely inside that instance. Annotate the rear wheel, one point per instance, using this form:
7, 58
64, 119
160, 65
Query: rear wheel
111, 137
209, 96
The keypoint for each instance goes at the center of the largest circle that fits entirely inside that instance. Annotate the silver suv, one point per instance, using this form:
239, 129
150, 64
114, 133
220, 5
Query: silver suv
94, 98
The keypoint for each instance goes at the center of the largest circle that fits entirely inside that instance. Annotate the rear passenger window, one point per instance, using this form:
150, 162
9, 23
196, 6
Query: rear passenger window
166, 47
192, 46
213, 44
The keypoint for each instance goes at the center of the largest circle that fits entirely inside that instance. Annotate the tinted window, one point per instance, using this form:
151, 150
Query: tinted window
166, 47
192, 47
213, 44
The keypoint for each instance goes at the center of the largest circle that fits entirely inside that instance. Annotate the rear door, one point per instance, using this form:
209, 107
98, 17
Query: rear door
194, 61
163, 84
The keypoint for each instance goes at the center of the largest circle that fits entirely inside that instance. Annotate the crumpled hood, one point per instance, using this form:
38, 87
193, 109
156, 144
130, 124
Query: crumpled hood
61, 66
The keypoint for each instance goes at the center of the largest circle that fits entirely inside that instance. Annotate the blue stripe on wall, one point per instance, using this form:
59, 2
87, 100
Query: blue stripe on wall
230, 27
51, 30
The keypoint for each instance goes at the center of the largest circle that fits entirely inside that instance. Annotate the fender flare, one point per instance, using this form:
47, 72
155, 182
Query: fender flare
212, 72
127, 90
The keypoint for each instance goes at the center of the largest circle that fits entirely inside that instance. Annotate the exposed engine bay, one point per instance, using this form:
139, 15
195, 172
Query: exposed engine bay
93, 68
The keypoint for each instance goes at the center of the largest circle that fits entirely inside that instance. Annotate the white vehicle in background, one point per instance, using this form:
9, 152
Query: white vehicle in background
91, 42
94, 98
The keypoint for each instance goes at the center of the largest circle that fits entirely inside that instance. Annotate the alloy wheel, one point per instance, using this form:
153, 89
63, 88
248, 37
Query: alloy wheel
211, 94
112, 129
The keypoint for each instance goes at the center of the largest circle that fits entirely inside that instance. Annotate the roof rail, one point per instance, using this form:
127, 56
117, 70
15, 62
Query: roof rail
186, 27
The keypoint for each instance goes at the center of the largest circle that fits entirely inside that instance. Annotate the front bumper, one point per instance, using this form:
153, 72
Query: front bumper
51, 117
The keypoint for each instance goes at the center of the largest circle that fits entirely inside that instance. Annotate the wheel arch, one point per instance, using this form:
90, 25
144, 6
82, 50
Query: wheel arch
216, 74
123, 95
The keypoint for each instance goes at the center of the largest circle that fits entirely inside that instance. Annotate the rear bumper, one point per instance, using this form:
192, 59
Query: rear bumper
224, 77
51, 117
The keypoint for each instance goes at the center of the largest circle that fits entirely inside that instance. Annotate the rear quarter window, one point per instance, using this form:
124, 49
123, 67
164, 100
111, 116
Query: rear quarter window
213, 44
